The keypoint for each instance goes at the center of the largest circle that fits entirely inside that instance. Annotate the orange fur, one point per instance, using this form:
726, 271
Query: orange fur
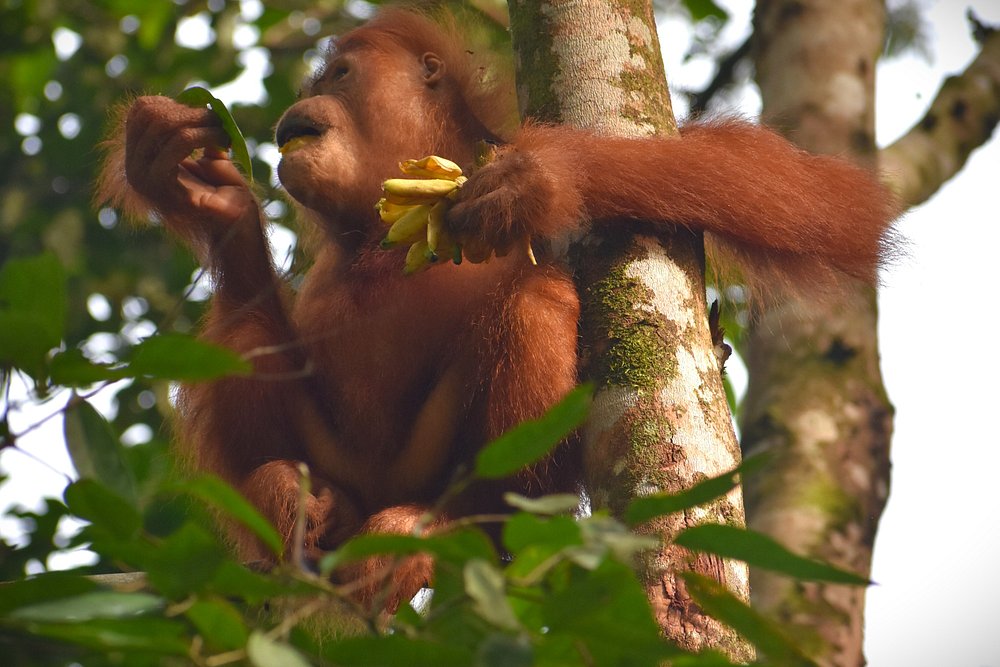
383, 384
790, 221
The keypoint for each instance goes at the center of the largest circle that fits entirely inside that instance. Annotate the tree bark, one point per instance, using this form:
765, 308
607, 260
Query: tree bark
961, 118
816, 397
660, 421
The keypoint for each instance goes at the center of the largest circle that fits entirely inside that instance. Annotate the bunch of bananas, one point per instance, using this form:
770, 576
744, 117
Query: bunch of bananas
415, 208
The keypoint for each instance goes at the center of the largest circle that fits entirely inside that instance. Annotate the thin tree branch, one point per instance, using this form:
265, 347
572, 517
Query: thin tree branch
724, 76
961, 118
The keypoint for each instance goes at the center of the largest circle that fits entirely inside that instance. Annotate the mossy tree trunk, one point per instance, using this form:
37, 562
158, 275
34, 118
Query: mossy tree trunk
660, 421
816, 398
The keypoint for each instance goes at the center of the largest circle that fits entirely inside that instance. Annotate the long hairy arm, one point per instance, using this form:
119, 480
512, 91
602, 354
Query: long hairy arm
783, 216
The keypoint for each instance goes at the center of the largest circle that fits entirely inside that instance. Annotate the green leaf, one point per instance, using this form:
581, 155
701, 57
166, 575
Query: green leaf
707, 658
197, 96
456, 546
650, 507
703, 9
606, 615
538, 545
186, 562
95, 450
395, 651
234, 580
364, 546
180, 357
499, 650
32, 311
27, 73
216, 493
72, 369
153, 23
524, 530
157, 635
727, 608
459, 546
41, 589
485, 584
266, 652
557, 503
218, 621
87, 606
529, 441
90, 500
759, 550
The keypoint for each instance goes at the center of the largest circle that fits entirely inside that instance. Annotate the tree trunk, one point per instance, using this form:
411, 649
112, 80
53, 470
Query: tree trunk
660, 420
816, 397
961, 118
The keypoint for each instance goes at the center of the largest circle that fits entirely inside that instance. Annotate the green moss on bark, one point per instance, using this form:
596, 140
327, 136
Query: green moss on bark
635, 356
538, 100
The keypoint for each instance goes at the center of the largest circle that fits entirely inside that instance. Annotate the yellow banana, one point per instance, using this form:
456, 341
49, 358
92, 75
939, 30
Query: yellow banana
416, 258
431, 166
415, 207
530, 252
390, 212
296, 142
408, 228
418, 188
439, 242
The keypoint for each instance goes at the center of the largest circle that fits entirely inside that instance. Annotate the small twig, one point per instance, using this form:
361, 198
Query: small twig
299, 531
980, 30
225, 658
723, 77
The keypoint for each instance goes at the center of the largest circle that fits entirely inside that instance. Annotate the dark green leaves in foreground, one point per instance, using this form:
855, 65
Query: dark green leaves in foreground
215, 493
95, 450
33, 305
531, 440
87, 606
759, 550
32, 311
567, 594
198, 97
169, 356
650, 507
181, 357
722, 605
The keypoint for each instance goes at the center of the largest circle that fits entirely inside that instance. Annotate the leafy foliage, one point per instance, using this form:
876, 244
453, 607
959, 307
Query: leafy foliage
565, 593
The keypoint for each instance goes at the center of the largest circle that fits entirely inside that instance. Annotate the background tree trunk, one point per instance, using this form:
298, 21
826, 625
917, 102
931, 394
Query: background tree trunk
816, 398
961, 118
660, 419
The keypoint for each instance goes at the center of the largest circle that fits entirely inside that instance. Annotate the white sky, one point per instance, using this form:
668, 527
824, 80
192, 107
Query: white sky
937, 601
938, 547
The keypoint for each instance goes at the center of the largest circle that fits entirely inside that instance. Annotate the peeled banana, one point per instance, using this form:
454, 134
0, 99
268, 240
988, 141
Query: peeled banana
431, 166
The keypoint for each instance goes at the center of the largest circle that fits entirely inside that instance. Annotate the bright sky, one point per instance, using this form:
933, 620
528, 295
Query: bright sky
937, 602
938, 547
936, 560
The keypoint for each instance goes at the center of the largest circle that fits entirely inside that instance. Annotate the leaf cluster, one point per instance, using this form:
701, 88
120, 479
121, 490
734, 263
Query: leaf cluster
563, 591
